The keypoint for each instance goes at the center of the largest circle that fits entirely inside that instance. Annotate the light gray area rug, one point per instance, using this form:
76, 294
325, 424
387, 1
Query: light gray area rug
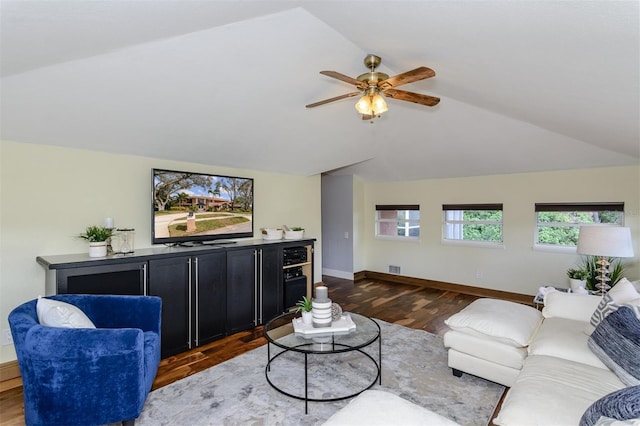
236, 392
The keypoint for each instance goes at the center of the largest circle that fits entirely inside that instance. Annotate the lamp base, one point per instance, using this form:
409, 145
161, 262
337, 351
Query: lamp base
603, 280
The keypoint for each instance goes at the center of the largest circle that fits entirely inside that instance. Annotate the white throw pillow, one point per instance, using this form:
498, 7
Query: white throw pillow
623, 292
578, 307
509, 322
53, 313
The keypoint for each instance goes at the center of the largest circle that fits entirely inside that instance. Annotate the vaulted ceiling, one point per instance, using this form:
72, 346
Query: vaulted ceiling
524, 85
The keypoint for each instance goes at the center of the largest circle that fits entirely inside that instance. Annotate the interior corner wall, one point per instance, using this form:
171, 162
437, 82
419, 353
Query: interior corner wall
517, 267
337, 226
359, 226
49, 195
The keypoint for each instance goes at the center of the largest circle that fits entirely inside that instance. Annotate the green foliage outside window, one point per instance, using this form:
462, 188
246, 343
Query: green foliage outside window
564, 227
482, 232
477, 225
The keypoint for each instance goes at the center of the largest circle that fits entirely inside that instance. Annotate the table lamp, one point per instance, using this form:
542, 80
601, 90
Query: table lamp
604, 241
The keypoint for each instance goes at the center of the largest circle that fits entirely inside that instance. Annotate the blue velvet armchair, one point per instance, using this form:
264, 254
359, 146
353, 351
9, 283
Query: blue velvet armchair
85, 376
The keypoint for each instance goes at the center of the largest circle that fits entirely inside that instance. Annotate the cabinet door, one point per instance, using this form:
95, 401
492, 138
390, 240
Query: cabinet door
124, 278
270, 284
169, 279
211, 297
241, 290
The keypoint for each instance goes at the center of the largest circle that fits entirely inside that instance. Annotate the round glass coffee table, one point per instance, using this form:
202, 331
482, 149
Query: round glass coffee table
339, 352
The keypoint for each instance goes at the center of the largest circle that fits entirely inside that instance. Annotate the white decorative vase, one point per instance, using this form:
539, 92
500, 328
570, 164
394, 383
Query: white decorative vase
98, 249
307, 317
575, 284
321, 308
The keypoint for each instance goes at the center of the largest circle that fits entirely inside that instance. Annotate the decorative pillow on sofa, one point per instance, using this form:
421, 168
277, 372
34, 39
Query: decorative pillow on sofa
573, 306
508, 322
623, 404
622, 292
616, 341
53, 313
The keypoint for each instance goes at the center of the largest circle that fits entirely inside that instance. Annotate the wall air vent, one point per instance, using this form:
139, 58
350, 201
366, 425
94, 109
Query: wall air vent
393, 269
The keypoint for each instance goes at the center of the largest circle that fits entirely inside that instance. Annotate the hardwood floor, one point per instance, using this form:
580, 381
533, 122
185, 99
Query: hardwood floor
403, 304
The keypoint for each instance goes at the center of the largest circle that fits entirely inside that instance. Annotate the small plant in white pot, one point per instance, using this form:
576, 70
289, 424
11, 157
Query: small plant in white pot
295, 233
577, 278
98, 237
304, 306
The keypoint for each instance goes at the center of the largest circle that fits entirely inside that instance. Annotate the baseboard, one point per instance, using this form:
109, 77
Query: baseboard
338, 274
10, 376
444, 286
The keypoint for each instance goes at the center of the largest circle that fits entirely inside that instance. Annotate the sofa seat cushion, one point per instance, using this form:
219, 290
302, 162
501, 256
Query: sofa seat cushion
563, 338
487, 349
505, 322
554, 391
380, 408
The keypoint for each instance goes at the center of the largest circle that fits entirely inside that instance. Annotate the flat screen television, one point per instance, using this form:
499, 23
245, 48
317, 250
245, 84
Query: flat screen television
197, 208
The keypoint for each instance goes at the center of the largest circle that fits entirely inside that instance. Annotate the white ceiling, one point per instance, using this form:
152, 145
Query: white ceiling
525, 85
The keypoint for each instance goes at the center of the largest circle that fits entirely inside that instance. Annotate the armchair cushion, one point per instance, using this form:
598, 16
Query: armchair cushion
88, 376
54, 313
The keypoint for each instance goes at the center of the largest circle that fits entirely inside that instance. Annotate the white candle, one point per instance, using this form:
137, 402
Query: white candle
322, 292
108, 223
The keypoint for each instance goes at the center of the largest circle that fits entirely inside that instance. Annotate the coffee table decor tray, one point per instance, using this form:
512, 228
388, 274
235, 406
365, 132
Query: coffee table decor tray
343, 325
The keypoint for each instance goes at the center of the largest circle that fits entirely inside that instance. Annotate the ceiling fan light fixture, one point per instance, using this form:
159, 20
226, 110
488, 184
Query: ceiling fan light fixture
364, 106
378, 105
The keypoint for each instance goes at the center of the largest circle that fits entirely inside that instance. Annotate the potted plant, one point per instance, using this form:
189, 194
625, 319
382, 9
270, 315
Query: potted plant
97, 237
295, 233
577, 278
304, 306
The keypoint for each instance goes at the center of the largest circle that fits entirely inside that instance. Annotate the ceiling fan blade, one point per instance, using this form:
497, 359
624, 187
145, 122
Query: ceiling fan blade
345, 78
411, 97
407, 77
337, 98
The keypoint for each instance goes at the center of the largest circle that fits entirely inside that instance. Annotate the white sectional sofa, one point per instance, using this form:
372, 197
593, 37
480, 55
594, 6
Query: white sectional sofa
545, 358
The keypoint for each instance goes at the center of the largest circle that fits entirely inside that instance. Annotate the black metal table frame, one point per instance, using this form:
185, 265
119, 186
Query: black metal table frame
333, 351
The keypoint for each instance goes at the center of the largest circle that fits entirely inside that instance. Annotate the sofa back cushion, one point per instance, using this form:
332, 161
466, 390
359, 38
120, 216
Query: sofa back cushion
616, 341
578, 307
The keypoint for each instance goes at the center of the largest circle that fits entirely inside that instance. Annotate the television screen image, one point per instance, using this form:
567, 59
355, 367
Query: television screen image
190, 207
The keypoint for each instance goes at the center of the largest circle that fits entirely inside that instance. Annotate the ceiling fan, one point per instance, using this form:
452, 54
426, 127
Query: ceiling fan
373, 86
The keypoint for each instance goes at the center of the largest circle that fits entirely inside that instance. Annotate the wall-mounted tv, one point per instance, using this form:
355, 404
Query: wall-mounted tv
194, 208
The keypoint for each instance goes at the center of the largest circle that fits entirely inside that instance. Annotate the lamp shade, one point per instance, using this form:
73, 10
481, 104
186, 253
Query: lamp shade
378, 105
608, 241
363, 106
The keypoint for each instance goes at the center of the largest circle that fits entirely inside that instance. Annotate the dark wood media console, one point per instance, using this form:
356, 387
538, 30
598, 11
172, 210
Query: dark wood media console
207, 292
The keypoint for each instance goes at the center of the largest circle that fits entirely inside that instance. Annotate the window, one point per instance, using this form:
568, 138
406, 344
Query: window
473, 223
398, 221
558, 224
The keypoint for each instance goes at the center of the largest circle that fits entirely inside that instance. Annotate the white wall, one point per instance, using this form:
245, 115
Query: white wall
516, 268
49, 195
337, 226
